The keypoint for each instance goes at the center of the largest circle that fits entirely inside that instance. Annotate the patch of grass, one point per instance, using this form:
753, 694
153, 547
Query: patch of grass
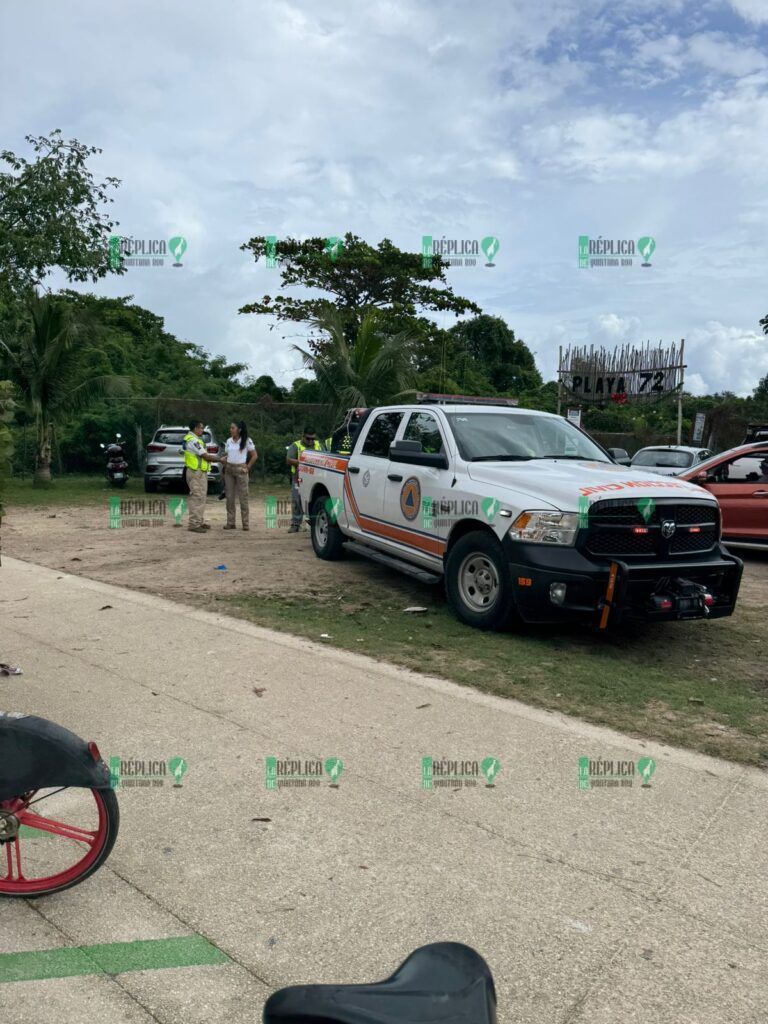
640, 681
93, 489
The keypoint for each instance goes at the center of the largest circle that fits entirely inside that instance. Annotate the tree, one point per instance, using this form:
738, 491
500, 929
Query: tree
375, 370
507, 362
6, 441
761, 391
47, 364
51, 215
358, 277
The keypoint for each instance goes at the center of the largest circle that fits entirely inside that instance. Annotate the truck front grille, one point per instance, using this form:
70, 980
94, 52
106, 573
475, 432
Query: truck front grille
645, 528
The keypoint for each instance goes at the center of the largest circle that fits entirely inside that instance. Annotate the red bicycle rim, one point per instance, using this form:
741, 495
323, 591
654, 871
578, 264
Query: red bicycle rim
12, 879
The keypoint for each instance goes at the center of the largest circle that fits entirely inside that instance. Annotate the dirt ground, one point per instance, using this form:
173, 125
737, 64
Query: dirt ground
171, 562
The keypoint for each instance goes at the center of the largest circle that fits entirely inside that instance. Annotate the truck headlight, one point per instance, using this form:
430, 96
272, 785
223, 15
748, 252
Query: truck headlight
545, 527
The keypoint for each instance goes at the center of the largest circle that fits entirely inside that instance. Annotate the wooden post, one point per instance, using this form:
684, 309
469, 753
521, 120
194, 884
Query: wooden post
680, 393
559, 378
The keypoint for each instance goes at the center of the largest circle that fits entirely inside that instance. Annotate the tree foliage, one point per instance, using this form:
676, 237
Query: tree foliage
52, 214
354, 278
47, 362
374, 370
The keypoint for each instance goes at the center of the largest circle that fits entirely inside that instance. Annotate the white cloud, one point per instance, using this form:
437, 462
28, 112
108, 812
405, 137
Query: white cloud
401, 118
755, 11
724, 358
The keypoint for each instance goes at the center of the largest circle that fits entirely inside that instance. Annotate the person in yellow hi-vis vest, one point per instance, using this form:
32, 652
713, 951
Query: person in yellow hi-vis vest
197, 462
307, 440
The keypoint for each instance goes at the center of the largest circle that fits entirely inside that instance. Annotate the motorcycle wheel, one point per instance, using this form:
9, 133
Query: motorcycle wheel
16, 863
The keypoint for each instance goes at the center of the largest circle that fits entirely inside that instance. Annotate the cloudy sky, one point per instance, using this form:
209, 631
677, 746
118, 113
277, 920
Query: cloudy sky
534, 123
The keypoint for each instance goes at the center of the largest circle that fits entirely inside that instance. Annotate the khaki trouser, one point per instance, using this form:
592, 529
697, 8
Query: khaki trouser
236, 486
197, 482
297, 516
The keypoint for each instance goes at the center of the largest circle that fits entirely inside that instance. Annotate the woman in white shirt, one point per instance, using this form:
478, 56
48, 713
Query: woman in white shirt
240, 454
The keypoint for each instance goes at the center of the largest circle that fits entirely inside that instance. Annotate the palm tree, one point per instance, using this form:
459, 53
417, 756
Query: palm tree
373, 371
46, 364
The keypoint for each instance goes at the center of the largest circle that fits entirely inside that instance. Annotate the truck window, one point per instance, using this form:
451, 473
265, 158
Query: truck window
422, 426
382, 434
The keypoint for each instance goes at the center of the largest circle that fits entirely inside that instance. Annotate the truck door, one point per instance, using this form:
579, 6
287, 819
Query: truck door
367, 474
418, 500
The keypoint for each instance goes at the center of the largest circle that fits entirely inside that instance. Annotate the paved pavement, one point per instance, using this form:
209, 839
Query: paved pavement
631, 904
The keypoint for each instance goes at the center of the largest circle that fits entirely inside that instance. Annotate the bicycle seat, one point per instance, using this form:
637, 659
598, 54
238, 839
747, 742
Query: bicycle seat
443, 983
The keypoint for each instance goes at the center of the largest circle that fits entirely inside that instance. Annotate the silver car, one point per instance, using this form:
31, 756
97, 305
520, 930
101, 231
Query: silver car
165, 459
670, 459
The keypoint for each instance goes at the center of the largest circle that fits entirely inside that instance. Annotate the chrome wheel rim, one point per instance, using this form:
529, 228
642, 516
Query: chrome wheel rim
478, 582
321, 528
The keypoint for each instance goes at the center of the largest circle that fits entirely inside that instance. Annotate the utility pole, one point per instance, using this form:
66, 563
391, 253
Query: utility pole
680, 393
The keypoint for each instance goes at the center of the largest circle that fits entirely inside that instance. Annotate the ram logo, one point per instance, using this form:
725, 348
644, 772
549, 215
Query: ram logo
667, 529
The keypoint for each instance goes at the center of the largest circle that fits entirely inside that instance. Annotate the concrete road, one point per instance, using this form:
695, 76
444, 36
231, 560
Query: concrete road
631, 904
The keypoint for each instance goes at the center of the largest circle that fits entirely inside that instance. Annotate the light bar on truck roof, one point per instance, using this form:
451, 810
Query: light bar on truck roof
427, 398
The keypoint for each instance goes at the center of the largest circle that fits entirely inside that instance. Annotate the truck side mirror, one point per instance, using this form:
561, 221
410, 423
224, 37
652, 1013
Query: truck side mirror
701, 478
619, 455
411, 452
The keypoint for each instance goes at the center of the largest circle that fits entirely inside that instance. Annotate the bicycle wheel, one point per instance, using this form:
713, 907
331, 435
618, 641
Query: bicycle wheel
44, 853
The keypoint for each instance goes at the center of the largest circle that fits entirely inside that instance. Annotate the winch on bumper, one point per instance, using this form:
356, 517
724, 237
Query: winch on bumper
625, 568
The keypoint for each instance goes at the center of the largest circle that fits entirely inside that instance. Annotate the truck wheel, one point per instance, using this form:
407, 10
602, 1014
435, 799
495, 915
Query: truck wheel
478, 583
327, 538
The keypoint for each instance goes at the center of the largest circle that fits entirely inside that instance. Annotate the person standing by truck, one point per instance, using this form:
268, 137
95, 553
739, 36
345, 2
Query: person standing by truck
239, 456
307, 440
197, 462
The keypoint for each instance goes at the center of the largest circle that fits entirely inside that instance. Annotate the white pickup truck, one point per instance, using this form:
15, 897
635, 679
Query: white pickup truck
523, 515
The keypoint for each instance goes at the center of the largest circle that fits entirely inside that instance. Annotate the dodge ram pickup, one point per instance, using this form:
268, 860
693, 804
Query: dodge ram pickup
524, 517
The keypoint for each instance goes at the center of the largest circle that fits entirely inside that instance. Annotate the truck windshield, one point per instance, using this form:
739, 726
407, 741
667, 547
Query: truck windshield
512, 437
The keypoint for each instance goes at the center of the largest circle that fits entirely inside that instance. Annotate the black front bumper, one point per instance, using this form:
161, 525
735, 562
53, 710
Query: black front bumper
602, 595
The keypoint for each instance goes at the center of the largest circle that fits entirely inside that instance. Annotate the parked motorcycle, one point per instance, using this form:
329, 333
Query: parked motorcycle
442, 982
59, 816
117, 465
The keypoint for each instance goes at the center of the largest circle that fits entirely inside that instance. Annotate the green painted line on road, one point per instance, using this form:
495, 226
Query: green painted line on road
109, 958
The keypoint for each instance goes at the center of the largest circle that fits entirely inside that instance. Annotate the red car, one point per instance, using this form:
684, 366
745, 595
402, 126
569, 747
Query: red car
739, 480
